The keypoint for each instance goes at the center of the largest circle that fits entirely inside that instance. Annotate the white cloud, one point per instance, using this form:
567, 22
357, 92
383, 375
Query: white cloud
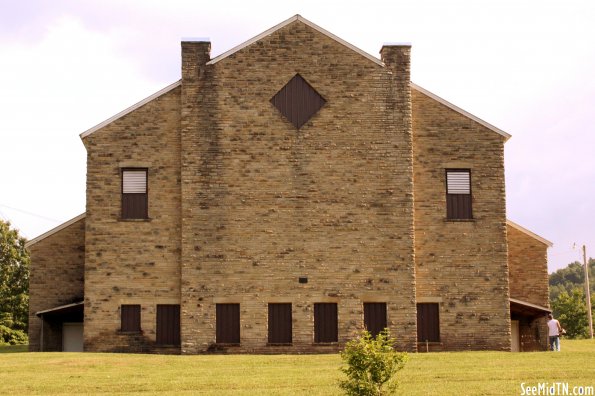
52, 91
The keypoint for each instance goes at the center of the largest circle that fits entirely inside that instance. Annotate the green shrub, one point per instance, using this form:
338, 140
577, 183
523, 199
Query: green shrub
371, 365
10, 336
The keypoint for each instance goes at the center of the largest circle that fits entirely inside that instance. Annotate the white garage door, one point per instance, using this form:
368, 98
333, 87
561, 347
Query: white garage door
72, 337
516, 336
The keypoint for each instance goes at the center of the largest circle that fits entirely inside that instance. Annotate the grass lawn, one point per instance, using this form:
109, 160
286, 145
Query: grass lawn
13, 348
453, 373
498, 373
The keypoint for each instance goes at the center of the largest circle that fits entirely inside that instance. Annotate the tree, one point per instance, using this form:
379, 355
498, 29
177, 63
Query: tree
566, 279
571, 311
371, 365
14, 284
567, 297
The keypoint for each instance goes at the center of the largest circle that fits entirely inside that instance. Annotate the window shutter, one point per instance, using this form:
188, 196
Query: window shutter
130, 317
428, 322
458, 194
134, 181
168, 324
134, 194
228, 323
375, 317
280, 323
325, 322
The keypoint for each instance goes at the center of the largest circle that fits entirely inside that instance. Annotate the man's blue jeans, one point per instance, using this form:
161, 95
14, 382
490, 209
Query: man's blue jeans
555, 343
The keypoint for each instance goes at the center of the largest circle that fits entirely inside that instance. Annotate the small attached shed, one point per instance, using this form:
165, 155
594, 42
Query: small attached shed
56, 288
529, 288
527, 326
62, 328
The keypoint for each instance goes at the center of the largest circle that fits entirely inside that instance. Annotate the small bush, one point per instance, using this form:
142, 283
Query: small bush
10, 336
371, 365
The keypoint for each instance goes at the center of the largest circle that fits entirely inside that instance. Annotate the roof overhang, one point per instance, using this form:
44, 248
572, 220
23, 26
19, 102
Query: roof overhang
530, 233
461, 111
54, 230
525, 308
131, 109
71, 311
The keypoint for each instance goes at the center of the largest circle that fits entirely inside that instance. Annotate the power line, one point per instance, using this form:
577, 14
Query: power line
28, 213
3, 216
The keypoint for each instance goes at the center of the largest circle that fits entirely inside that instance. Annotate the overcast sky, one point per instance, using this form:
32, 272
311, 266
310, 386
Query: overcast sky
527, 67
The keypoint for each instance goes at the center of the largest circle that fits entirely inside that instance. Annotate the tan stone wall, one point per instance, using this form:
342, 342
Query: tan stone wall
56, 278
241, 204
527, 261
264, 203
533, 334
132, 262
462, 263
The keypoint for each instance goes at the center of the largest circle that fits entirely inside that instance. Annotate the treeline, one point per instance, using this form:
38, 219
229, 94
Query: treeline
14, 286
567, 298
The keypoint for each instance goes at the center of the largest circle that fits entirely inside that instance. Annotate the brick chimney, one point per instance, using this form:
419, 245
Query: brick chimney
195, 130
397, 58
195, 54
195, 93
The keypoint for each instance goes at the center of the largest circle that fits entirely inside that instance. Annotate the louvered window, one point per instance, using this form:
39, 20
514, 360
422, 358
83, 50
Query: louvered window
298, 101
458, 194
428, 323
134, 194
130, 318
325, 323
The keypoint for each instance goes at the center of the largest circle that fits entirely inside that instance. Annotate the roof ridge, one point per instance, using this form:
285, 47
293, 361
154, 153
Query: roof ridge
296, 17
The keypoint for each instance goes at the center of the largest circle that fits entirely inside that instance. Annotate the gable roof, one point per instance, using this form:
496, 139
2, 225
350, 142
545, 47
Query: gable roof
531, 234
270, 31
131, 109
294, 18
461, 111
54, 230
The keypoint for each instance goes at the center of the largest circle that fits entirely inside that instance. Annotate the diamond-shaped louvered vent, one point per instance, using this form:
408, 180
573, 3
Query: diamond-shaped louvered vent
298, 101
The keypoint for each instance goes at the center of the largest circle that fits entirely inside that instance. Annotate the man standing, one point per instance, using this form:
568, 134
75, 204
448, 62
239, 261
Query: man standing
554, 331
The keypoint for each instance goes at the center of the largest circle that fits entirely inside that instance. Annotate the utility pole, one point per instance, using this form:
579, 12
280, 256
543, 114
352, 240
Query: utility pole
588, 291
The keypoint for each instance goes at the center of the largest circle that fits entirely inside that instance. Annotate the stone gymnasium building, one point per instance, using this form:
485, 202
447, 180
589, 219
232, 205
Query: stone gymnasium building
280, 198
